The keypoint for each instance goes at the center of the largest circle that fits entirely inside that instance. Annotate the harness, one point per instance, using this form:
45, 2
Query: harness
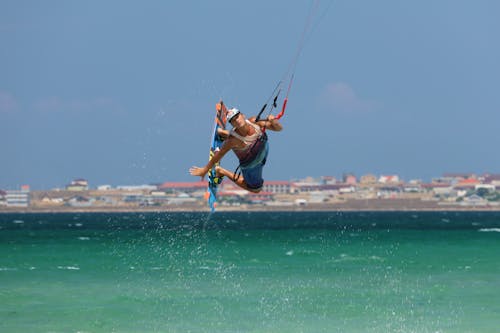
247, 155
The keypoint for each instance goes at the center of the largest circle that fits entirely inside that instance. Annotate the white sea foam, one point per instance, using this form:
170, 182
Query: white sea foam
309, 252
3, 269
18, 221
345, 258
84, 238
71, 268
289, 253
490, 230
78, 224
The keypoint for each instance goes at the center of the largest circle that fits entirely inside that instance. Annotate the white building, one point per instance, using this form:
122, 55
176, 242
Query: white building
384, 179
137, 187
276, 186
78, 185
17, 199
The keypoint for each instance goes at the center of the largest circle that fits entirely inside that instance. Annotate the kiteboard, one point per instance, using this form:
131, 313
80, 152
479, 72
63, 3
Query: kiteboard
215, 146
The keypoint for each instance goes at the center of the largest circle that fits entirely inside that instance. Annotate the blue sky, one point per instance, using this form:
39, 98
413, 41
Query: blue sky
124, 92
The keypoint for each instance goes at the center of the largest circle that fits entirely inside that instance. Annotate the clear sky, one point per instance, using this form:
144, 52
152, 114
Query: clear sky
123, 92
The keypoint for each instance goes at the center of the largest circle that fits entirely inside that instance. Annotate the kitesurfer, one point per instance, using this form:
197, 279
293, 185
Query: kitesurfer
248, 141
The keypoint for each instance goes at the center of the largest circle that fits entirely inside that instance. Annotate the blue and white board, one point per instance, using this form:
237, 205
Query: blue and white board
215, 146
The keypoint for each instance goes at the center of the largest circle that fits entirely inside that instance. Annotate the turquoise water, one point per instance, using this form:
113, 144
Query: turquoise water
250, 272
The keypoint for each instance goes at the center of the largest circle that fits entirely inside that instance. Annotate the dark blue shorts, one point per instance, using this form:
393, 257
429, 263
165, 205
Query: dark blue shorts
253, 173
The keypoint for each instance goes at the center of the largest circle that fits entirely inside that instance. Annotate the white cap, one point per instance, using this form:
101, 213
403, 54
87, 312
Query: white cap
231, 113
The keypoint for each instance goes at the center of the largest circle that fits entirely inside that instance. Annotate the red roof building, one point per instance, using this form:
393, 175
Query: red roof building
466, 184
469, 181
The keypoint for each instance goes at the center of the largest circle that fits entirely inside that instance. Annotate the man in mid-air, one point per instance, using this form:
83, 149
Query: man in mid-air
248, 141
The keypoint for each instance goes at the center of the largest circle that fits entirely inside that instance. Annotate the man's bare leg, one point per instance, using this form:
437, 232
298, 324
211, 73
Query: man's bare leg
240, 181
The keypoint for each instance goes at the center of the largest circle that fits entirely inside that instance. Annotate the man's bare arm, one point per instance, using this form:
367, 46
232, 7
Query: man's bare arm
197, 171
271, 123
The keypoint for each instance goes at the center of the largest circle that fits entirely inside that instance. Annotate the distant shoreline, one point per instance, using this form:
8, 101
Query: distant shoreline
309, 208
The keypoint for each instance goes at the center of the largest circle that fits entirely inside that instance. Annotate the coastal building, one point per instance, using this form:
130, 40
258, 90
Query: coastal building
349, 178
466, 184
78, 185
304, 185
492, 179
367, 180
333, 189
474, 200
486, 187
186, 187
2, 198
412, 188
318, 197
181, 199
139, 188
17, 199
455, 178
442, 180
49, 201
328, 180
80, 201
259, 198
388, 192
389, 179
231, 188
277, 186
438, 189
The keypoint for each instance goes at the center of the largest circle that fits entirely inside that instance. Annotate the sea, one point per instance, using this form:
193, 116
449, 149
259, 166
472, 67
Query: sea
250, 272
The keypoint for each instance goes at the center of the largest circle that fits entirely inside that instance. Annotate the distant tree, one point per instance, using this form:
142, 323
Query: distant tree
482, 192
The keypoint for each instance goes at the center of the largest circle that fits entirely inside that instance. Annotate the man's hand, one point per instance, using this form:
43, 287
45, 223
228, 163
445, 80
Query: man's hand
197, 171
272, 123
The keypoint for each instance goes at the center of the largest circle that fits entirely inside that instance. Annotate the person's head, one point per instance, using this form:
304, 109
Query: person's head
235, 117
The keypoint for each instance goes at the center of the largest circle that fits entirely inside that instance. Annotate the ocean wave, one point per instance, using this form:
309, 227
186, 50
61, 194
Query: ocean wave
489, 229
84, 238
3, 269
345, 257
71, 268
206, 268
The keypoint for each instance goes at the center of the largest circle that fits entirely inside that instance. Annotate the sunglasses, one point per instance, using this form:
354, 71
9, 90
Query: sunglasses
235, 117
